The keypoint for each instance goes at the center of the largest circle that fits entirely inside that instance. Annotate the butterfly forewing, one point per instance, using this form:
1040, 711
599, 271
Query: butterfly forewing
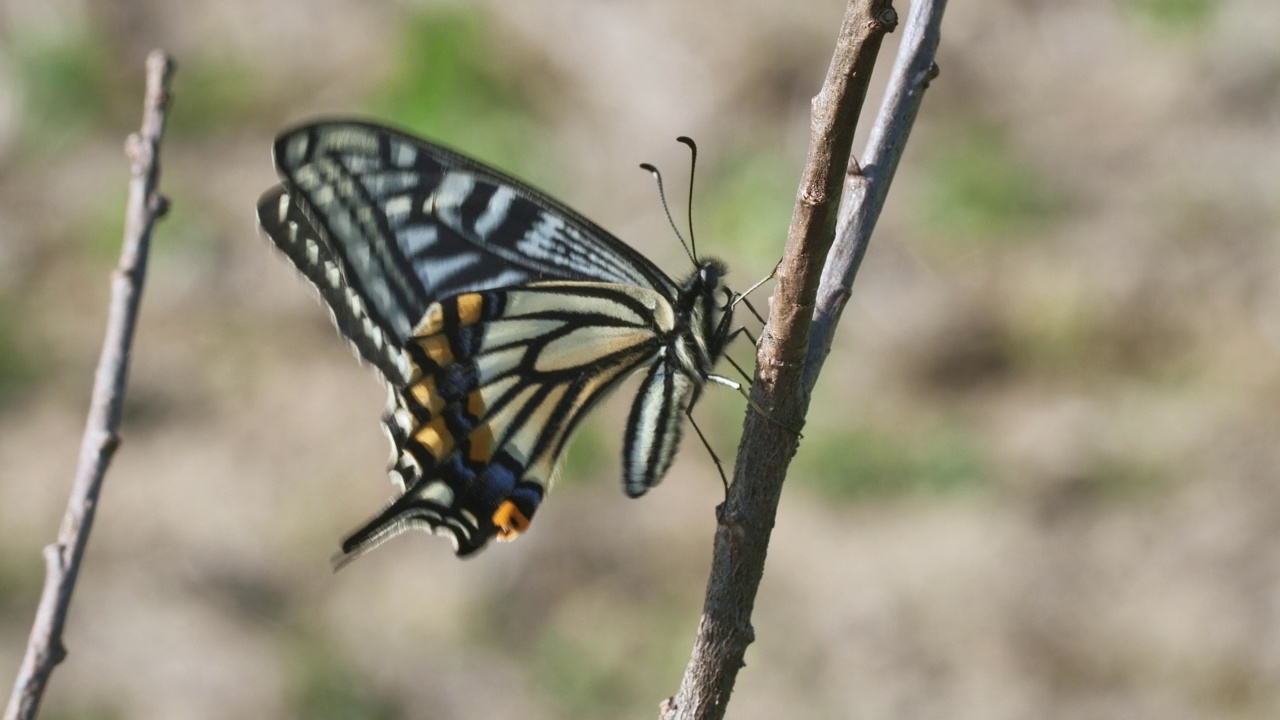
497, 315
287, 225
418, 211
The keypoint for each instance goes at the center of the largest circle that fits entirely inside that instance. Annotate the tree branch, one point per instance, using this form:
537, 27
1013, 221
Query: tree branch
62, 559
868, 186
746, 518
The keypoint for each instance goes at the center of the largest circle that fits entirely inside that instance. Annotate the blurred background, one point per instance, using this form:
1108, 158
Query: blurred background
1038, 480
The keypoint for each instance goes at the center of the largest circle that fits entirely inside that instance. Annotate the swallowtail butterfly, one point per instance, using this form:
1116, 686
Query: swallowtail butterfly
497, 316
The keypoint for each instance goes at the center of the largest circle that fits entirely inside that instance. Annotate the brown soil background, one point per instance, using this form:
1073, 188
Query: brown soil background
1039, 479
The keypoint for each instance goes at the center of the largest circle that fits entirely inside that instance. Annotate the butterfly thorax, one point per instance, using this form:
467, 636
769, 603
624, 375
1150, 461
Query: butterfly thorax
701, 321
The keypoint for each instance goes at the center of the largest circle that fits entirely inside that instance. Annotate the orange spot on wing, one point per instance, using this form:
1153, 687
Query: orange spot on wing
437, 348
427, 396
480, 444
475, 405
480, 441
435, 437
510, 521
469, 307
432, 321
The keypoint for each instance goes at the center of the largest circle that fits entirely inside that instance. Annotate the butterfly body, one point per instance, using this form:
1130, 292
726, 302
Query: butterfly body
497, 316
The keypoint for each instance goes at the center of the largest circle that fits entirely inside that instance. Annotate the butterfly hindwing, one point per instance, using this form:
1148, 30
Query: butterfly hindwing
653, 430
499, 381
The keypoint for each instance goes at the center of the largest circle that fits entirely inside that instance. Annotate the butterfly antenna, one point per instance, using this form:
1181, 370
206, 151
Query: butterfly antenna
662, 195
693, 164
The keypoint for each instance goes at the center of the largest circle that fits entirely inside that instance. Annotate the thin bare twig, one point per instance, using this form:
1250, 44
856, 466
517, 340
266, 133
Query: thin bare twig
868, 186
62, 559
747, 516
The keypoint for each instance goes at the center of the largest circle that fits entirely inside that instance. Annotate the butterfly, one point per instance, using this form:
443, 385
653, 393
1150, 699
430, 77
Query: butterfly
498, 318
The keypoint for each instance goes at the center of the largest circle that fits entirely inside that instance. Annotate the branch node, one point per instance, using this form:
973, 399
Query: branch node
57, 653
934, 72
158, 205
854, 170
813, 196
133, 147
886, 18
53, 557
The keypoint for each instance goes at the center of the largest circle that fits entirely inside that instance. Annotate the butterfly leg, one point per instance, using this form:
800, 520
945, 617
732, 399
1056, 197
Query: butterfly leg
738, 367
721, 380
742, 296
740, 331
753, 310
714, 458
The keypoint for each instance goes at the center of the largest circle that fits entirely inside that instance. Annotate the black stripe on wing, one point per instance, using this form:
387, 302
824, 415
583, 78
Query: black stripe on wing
291, 231
500, 380
438, 223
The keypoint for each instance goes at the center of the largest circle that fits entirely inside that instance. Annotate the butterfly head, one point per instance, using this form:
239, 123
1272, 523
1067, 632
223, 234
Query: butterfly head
706, 317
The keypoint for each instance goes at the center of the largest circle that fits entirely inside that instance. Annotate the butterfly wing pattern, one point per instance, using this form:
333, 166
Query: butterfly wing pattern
497, 317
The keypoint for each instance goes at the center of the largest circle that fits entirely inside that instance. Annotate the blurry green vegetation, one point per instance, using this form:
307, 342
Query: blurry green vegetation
590, 665
324, 688
21, 577
65, 83
1051, 332
451, 86
1173, 17
19, 368
979, 191
1124, 478
588, 455
751, 194
99, 231
1072, 337
862, 463
214, 96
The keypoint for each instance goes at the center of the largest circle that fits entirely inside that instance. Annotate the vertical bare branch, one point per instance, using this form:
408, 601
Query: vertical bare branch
868, 186
62, 559
746, 519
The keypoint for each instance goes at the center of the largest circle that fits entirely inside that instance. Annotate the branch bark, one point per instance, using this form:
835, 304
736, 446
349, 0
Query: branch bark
63, 558
868, 186
746, 518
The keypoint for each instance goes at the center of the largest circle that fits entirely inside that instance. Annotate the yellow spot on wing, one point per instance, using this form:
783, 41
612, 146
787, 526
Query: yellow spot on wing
481, 439
435, 437
510, 521
481, 444
432, 321
427, 396
475, 404
437, 348
469, 307
588, 344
